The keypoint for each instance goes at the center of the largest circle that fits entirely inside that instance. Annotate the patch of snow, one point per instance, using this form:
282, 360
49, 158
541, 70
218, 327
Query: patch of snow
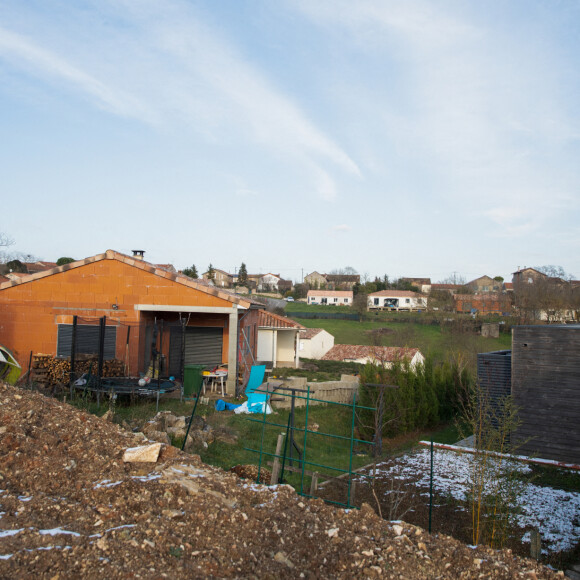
107, 483
24, 497
5, 556
143, 478
56, 531
553, 511
8, 533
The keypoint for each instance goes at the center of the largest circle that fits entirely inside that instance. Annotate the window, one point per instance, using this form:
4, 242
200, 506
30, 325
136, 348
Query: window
346, 299
324, 301
407, 300
87, 341
336, 299
376, 301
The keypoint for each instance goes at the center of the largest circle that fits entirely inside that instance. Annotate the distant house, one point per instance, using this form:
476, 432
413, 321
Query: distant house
396, 300
269, 282
35, 267
315, 342
422, 284
528, 276
363, 354
449, 288
315, 280
318, 281
330, 297
222, 279
341, 281
491, 303
278, 340
484, 284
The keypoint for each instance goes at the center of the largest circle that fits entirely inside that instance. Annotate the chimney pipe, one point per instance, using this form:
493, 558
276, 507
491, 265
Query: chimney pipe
138, 254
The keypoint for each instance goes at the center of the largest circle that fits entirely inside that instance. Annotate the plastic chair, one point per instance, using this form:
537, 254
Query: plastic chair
255, 381
257, 373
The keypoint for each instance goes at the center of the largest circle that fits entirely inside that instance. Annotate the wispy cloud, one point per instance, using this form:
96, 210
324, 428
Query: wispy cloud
342, 228
464, 114
25, 53
167, 65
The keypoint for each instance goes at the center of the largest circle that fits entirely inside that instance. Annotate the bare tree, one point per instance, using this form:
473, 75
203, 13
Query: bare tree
5, 240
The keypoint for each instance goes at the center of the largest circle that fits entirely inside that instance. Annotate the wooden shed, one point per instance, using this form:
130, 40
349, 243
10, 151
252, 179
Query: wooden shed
546, 388
194, 322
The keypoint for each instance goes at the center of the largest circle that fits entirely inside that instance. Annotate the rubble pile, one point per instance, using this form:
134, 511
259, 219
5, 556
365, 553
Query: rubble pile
81, 497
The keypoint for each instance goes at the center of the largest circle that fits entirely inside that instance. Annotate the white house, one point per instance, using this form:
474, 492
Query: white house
330, 297
268, 282
382, 354
278, 340
396, 300
315, 342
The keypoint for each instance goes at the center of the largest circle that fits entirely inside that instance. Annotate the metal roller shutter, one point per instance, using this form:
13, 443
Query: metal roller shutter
202, 346
87, 340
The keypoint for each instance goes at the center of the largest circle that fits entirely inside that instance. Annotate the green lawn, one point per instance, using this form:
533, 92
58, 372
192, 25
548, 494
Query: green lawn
429, 339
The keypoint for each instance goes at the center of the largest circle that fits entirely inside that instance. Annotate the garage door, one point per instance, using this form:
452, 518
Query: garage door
202, 346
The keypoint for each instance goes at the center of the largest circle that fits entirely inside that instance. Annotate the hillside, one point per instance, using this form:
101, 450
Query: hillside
71, 507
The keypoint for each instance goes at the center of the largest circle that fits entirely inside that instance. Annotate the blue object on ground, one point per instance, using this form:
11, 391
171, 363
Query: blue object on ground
224, 406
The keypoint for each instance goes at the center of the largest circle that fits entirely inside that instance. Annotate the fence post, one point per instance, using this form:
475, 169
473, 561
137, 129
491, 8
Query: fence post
314, 484
276, 464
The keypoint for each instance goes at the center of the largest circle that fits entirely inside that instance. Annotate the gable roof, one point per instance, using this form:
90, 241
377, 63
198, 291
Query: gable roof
343, 293
484, 277
342, 277
34, 267
425, 281
136, 263
394, 294
308, 333
359, 351
270, 320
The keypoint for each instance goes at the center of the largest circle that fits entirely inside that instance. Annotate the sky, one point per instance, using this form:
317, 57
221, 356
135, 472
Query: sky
416, 138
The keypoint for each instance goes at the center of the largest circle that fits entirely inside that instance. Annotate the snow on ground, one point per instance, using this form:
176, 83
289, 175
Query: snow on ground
555, 512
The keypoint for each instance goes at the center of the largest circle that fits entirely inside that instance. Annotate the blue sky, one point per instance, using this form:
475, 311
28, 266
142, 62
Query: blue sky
402, 138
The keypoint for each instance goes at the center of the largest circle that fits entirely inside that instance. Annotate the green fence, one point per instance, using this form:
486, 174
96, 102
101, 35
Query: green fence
299, 453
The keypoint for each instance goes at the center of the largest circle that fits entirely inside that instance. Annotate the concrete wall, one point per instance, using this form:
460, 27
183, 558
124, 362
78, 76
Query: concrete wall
332, 391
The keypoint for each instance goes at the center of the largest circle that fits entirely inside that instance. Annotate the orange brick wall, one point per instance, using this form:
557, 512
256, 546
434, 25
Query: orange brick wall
30, 312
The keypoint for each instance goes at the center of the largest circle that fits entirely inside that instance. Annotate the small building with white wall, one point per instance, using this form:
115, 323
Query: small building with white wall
278, 341
315, 342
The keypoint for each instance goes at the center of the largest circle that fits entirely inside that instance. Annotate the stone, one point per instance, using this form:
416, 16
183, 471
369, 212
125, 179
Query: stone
108, 416
142, 454
398, 529
283, 559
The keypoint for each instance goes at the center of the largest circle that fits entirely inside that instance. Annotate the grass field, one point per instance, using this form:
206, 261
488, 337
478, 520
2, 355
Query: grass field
385, 330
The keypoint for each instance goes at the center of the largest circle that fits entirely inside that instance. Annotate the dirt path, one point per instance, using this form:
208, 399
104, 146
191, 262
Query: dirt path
70, 507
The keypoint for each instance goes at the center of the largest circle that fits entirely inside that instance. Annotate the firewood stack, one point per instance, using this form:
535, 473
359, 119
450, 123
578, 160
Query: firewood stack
50, 371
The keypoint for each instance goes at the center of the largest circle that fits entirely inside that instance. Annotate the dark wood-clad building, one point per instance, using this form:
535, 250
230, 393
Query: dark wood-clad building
546, 388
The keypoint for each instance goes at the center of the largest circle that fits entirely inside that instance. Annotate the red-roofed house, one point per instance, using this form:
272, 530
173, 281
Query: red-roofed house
330, 297
397, 300
362, 354
315, 342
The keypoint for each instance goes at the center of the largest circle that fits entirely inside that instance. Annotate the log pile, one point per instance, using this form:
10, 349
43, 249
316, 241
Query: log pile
51, 371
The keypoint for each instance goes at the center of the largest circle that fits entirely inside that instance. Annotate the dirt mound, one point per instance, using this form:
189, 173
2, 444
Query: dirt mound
71, 507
